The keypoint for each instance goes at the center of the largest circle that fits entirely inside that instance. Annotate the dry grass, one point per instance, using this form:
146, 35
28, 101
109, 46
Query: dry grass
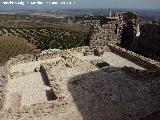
12, 46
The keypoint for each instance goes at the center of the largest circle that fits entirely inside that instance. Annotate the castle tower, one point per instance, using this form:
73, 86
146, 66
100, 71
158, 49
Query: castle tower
112, 17
138, 31
110, 13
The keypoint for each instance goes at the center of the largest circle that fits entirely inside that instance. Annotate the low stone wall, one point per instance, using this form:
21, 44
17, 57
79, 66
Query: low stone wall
143, 74
43, 109
21, 59
54, 83
80, 49
2, 84
53, 53
136, 58
48, 54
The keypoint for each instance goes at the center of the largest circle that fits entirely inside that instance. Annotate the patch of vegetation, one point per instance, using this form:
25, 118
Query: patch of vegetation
50, 38
10, 47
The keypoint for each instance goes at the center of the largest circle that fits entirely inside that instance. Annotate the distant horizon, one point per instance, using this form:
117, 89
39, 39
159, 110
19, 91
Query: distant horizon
80, 4
77, 9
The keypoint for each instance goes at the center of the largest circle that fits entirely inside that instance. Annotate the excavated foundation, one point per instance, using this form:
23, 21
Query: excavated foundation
78, 86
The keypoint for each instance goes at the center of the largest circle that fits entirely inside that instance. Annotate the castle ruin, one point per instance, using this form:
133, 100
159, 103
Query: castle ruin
101, 81
110, 29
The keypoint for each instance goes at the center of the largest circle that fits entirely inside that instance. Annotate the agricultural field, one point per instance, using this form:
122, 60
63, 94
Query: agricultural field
50, 38
30, 21
14, 41
21, 34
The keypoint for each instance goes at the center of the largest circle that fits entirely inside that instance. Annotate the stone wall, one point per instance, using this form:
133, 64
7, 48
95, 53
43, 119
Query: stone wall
47, 54
53, 82
106, 33
138, 59
143, 74
110, 29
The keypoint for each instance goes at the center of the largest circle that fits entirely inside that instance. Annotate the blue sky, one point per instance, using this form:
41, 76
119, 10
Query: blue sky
138, 4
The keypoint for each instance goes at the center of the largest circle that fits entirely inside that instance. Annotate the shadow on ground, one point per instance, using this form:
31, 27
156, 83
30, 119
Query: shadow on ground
115, 94
44, 78
49, 93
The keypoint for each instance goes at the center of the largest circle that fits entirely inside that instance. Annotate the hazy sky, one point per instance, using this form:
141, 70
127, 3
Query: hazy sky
140, 4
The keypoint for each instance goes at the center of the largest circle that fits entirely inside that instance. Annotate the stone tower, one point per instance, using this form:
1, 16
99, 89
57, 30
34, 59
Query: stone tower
138, 31
109, 30
110, 13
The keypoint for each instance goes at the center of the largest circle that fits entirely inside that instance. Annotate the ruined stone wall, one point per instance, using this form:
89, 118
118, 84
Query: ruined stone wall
106, 33
110, 29
2, 88
107, 30
47, 54
53, 53
138, 59
53, 82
